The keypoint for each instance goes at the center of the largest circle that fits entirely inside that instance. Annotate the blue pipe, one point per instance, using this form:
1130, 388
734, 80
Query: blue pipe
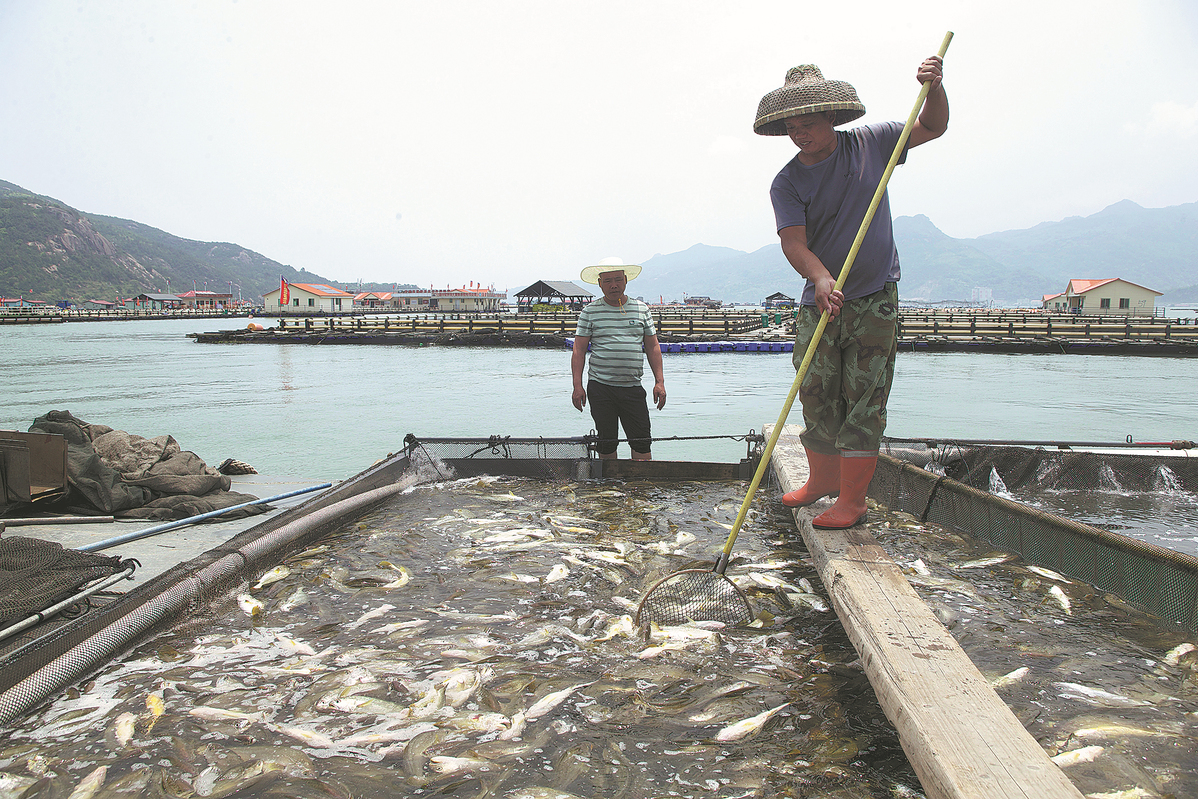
162, 528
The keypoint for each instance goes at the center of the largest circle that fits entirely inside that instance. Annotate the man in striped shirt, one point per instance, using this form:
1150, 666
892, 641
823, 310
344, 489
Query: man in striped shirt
618, 329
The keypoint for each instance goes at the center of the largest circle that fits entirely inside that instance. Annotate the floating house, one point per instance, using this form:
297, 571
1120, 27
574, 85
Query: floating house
475, 299
374, 301
206, 300
307, 299
778, 300
553, 292
1113, 296
153, 302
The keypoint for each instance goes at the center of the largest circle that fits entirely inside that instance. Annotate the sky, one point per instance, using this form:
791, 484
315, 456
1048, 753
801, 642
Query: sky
500, 143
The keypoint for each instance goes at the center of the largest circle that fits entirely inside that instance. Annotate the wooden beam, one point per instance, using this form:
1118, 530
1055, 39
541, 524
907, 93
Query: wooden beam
668, 470
959, 736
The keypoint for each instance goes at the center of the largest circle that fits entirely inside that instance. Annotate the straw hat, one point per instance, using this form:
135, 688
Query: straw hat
590, 274
806, 92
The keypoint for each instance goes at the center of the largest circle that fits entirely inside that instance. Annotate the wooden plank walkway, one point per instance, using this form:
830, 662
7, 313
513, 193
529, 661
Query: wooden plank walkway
918, 330
961, 739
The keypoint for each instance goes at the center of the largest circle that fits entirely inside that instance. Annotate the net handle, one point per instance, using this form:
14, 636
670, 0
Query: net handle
924, 88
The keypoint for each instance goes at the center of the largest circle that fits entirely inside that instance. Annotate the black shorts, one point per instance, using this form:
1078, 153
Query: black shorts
625, 404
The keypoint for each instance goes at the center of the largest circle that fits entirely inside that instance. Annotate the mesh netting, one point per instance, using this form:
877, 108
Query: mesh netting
1024, 468
544, 458
1159, 580
694, 595
36, 574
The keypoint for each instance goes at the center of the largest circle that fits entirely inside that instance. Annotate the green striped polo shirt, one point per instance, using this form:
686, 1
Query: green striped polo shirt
617, 340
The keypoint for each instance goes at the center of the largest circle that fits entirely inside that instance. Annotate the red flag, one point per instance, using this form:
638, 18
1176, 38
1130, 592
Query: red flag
284, 293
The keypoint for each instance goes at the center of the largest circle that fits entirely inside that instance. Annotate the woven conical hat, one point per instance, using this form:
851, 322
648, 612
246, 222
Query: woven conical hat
806, 92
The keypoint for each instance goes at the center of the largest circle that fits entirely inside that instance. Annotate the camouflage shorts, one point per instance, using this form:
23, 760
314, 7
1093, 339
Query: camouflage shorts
848, 382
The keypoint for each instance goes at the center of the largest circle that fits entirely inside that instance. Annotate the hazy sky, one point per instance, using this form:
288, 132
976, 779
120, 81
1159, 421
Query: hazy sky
439, 143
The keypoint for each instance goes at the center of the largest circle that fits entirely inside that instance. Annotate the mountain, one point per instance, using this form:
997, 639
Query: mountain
1153, 247
52, 252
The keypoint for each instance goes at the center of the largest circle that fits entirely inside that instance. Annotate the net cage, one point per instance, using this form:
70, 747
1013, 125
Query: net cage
39, 663
948, 485
568, 458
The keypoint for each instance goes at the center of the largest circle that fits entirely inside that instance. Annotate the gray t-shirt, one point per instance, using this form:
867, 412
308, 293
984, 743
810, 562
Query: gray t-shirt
830, 198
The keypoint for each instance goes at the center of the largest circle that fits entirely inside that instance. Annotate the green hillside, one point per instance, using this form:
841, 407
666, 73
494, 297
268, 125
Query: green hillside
52, 252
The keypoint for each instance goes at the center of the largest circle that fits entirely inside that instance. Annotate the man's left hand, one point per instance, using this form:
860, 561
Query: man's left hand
932, 69
659, 395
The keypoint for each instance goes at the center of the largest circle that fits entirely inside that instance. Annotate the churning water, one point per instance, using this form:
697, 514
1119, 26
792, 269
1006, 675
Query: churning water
473, 638
327, 412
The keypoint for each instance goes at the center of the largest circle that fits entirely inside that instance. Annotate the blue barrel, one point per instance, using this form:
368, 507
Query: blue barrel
688, 347
788, 346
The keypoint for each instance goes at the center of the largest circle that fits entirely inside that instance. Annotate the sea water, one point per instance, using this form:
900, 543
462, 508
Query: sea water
328, 412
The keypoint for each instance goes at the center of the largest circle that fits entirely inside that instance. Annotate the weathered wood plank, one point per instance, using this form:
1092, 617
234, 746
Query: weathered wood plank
959, 736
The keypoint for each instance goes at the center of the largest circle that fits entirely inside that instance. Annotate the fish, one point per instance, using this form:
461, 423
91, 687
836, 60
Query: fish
250, 606
1049, 573
155, 706
381, 610
123, 728
508, 497
223, 714
1096, 696
273, 576
516, 728
411, 624
749, 726
668, 646
919, 567
540, 792
680, 632
1056, 593
519, 578
403, 579
1118, 732
1173, 656
294, 599
88, 786
294, 646
623, 626
15, 785
316, 740
552, 700
811, 600
461, 683
370, 705
981, 563
1010, 678
1085, 754
557, 573
478, 722
444, 764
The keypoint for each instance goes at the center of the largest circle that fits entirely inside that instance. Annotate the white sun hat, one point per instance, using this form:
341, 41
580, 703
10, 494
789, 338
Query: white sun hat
590, 274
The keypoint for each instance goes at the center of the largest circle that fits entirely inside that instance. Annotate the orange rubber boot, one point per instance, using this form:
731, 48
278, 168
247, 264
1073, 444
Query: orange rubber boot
849, 510
823, 480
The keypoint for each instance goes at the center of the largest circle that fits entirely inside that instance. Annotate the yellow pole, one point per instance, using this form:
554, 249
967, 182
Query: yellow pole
722, 563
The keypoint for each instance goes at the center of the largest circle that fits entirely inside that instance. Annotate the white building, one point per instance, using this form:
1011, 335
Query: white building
307, 299
1113, 296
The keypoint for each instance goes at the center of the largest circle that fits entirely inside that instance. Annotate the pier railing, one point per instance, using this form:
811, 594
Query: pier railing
562, 324
926, 324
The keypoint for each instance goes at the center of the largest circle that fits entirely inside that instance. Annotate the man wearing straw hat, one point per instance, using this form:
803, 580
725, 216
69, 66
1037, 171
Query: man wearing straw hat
617, 328
820, 199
